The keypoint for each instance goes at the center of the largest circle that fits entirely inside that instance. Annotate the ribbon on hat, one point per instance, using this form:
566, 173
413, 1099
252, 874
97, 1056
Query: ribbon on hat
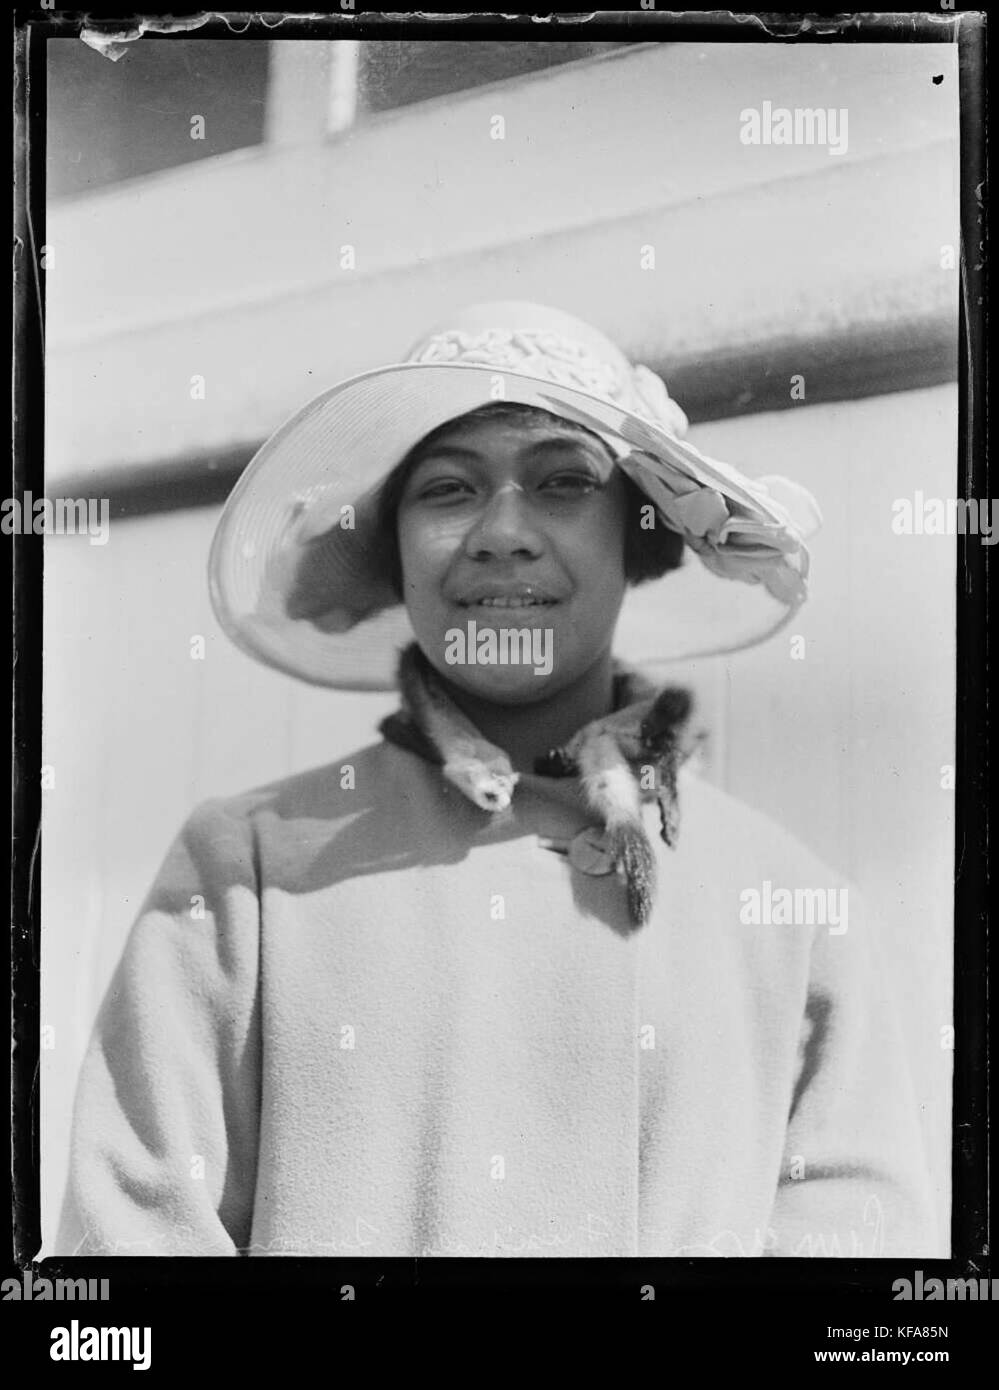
741, 528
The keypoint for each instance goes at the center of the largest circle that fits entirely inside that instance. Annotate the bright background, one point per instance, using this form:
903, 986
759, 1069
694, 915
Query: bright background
221, 258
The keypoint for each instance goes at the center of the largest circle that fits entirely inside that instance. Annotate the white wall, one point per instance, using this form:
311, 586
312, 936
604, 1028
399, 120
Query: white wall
844, 747
231, 268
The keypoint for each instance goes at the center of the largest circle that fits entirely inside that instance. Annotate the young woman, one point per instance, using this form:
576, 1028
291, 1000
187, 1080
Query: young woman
487, 986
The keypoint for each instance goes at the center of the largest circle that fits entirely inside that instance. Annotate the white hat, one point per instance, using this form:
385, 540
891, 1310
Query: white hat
297, 567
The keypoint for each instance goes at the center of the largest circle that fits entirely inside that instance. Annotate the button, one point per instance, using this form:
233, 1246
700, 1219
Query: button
589, 854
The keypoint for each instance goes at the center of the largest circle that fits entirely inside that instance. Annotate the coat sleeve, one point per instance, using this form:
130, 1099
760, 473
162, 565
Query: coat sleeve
164, 1143
855, 1179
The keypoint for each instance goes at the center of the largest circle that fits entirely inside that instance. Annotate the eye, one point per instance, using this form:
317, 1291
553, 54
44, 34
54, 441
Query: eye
446, 487
572, 483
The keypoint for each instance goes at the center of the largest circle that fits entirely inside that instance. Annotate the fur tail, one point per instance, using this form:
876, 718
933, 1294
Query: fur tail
632, 851
611, 791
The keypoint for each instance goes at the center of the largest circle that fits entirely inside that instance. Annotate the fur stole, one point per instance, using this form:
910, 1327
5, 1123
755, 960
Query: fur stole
627, 757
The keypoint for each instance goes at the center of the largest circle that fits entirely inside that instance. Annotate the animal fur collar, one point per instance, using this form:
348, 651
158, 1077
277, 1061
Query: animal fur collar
629, 756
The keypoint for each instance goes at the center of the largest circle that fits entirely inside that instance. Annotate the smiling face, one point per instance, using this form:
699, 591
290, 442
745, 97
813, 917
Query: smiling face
516, 525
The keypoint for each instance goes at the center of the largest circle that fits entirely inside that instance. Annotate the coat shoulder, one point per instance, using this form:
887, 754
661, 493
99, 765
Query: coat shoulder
325, 793
742, 831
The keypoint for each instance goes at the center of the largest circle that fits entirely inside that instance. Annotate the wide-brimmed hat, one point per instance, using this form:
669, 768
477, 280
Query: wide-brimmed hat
297, 569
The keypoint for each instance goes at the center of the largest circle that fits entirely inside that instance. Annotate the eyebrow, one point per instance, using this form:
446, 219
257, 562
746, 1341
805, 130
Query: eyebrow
446, 451
457, 452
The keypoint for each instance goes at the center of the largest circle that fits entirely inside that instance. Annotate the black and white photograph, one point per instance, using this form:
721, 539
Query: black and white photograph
499, 712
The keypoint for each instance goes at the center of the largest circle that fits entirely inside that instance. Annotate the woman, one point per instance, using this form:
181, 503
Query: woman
487, 986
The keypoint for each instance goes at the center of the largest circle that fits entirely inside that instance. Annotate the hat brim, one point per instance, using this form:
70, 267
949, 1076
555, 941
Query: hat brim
324, 613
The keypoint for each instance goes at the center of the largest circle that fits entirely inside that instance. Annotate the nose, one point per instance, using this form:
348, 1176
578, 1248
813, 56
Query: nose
504, 526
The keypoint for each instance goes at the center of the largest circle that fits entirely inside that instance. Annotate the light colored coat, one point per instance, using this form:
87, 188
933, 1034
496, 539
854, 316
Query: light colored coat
403, 1026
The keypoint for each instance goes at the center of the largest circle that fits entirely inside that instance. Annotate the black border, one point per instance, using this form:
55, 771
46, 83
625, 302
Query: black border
684, 1283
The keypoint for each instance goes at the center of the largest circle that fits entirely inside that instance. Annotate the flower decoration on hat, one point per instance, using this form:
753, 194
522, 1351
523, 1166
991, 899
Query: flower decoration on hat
752, 530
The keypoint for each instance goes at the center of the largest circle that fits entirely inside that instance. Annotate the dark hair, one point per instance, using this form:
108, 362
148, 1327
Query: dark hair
648, 553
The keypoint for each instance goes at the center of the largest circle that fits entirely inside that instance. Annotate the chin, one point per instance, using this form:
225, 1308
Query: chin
503, 685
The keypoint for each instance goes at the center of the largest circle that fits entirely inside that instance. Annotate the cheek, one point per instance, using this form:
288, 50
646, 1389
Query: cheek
425, 552
415, 544
598, 546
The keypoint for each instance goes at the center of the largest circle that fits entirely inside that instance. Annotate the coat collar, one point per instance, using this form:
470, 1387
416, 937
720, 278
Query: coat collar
627, 757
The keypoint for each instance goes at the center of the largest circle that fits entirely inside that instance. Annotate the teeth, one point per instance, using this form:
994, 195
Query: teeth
512, 603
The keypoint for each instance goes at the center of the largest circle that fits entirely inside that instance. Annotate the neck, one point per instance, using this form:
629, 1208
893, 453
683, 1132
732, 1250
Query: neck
528, 732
